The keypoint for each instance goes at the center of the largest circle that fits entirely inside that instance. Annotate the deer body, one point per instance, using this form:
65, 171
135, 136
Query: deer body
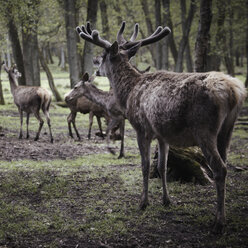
83, 105
105, 100
181, 109
30, 99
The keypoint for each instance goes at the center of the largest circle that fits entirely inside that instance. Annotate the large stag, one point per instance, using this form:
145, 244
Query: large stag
29, 99
181, 109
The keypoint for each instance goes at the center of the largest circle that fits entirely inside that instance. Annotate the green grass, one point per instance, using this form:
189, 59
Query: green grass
93, 199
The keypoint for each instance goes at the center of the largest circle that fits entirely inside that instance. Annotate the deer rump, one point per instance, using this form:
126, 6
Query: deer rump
181, 104
32, 98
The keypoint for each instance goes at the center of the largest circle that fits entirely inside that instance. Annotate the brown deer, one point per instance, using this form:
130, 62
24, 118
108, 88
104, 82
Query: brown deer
181, 109
29, 99
83, 105
105, 100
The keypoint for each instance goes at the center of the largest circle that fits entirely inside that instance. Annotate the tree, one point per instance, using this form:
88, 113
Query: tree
186, 25
246, 81
30, 42
1, 88
87, 63
203, 36
70, 14
49, 77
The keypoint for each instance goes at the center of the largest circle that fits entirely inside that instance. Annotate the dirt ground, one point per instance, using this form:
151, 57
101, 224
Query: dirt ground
11, 149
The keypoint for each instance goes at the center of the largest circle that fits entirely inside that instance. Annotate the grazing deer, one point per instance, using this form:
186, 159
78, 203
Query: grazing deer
29, 99
85, 106
105, 100
181, 109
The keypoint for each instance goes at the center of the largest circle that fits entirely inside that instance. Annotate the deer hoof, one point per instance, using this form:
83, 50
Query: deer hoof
121, 156
36, 138
52, 140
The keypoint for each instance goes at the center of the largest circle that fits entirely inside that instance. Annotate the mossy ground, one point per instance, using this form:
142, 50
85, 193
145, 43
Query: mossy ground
81, 196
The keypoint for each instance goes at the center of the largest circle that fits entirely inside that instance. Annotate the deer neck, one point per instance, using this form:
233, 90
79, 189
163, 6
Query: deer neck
123, 77
13, 83
96, 95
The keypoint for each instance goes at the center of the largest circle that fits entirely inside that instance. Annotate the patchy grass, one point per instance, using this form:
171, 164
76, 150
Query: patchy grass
91, 200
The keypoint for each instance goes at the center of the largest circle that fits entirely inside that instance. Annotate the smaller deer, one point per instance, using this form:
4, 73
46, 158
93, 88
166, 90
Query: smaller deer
83, 105
29, 99
104, 100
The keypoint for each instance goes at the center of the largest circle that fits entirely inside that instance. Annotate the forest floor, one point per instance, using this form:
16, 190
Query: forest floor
75, 194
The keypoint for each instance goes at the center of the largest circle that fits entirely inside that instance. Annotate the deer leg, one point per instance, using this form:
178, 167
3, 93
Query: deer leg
91, 115
74, 125
100, 125
69, 120
112, 123
49, 124
162, 169
37, 115
218, 167
21, 122
27, 123
122, 131
144, 144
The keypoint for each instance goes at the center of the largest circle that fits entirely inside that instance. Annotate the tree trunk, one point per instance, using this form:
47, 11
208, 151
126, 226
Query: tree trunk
184, 165
1, 88
16, 49
203, 37
188, 58
228, 48
87, 63
72, 40
49, 77
186, 26
150, 30
246, 44
165, 41
158, 44
105, 23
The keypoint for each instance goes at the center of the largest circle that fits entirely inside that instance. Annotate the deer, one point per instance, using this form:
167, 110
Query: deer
29, 99
180, 109
85, 106
105, 100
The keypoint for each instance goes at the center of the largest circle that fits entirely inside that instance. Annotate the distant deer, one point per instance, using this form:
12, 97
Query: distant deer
29, 99
83, 105
105, 100
181, 109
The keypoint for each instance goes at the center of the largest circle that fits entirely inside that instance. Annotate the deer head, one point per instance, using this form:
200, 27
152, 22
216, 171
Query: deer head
79, 88
121, 49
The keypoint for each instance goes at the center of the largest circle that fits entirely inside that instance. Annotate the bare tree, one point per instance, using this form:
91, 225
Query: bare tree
203, 36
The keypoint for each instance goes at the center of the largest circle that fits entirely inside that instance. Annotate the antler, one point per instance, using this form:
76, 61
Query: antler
121, 40
92, 36
159, 34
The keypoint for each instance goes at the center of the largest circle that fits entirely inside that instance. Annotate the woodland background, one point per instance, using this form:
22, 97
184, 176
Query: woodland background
206, 35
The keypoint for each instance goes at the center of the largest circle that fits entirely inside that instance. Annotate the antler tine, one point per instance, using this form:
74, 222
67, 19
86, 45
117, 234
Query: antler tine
99, 41
92, 36
120, 38
135, 32
156, 37
88, 28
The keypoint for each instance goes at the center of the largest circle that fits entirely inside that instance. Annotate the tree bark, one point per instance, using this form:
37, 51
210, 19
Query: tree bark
186, 26
246, 44
1, 88
72, 40
87, 63
165, 41
16, 49
104, 17
203, 36
158, 44
188, 58
49, 77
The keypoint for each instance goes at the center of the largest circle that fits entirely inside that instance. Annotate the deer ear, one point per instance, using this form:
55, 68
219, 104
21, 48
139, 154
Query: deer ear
133, 50
114, 49
85, 77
